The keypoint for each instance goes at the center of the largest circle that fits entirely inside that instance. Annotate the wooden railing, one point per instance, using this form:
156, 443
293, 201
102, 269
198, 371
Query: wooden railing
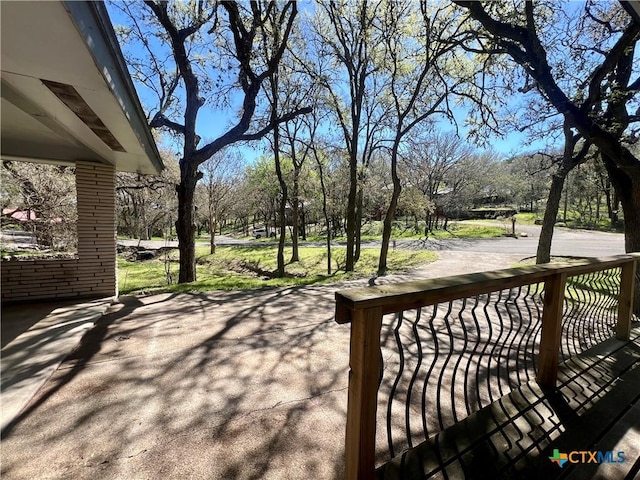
481, 334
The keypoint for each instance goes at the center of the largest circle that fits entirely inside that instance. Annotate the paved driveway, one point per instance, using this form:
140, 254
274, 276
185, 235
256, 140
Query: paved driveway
566, 242
222, 385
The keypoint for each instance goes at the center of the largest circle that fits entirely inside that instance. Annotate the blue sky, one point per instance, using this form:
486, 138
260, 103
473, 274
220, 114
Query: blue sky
212, 123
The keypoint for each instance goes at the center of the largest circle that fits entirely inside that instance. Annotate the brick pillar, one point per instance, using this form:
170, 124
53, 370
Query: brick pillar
95, 189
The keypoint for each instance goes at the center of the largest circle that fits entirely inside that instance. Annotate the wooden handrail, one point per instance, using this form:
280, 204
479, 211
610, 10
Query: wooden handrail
408, 295
365, 307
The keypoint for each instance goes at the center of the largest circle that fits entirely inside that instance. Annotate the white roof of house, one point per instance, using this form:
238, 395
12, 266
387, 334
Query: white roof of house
66, 93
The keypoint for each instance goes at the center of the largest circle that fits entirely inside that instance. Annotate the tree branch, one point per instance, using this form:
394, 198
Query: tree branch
285, 118
159, 121
617, 52
528, 52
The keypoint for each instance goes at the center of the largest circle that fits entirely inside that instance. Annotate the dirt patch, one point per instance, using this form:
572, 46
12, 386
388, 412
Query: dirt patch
141, 254
252, 267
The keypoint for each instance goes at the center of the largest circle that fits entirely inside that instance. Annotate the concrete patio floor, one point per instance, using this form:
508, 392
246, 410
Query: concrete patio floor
36, 338
218, 385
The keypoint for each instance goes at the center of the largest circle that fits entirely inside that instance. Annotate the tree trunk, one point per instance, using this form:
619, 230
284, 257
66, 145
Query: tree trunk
327, 220
391, 212
303, 216
627, 190
428, 227
626, 185
283, 228
185, 225
615, 218
566, 203
294, 212
212, 231
145, 223
283, 201
358, 236
325, 212
543, 254
351, 214
531, 199
605, 184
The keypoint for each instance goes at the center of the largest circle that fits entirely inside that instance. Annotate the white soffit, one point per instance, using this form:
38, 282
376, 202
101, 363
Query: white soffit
42, 42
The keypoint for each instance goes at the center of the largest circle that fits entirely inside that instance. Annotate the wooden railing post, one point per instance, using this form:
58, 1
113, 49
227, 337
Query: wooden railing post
364, 374
549, 356
625, 300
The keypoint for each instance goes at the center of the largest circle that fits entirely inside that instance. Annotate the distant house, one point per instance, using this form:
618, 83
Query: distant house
19, 215
68, 99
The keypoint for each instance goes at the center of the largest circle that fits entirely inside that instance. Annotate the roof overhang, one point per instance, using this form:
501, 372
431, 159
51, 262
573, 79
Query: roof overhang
66, 93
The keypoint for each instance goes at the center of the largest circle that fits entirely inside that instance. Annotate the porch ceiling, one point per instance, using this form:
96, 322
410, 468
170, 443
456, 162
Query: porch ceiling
90, 112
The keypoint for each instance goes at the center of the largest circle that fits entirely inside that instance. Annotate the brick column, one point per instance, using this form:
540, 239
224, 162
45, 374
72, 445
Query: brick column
95, 189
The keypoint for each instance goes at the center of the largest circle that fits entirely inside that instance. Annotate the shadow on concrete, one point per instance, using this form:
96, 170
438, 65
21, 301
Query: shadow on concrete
221, 385
18, 318
38, 336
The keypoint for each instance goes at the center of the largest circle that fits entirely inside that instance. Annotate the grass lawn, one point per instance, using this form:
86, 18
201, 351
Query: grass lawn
249, 267
466, 230
574, 220
373, 232
528, 218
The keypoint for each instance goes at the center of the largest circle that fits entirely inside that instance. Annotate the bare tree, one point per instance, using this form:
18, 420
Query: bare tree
586, 72
146, 204
318, 150
572, 156
43, 197
346, 51
422, 79
190, 31
221, 180
299, 137
435, 161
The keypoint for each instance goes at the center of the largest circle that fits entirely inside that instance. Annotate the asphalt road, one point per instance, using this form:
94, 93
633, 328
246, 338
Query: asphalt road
566, 242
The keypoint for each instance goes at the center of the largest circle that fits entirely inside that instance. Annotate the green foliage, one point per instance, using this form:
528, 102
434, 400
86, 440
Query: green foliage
527, 218
464, 230
591, 288
454, 230
575, 219
8, 252
250, 267
372, 231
